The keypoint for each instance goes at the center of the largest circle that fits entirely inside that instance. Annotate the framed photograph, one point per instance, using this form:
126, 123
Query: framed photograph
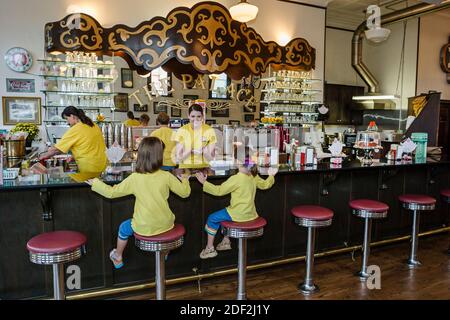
175, 112
21, 109
20, 85
223, 113
140, 108
217, 89
157, 108
121, 102
234, 122
210, 121
126, 78
249, 117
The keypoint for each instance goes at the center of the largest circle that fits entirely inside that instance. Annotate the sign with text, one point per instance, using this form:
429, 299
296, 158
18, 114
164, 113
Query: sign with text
20, 85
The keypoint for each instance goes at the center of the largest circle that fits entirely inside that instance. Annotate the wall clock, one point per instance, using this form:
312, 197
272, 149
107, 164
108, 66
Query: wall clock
18, 59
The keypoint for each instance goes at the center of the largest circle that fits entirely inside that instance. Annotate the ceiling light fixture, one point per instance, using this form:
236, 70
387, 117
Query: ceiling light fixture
243, 11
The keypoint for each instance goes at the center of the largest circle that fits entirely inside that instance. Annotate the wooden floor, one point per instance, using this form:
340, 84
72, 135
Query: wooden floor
335, 277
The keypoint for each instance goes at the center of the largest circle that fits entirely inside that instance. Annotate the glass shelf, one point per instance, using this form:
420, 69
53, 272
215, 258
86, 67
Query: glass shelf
303, 91
291, 79
290, 101
80, 93
290, 111
76, 78
74, 64
80, 107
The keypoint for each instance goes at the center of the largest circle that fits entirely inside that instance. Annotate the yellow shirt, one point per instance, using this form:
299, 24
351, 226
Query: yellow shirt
132, 123
87, 146
195, 140
152, 214
243, 190
166, 135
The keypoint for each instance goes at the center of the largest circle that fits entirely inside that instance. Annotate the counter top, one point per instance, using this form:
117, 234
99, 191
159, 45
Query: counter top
67, 180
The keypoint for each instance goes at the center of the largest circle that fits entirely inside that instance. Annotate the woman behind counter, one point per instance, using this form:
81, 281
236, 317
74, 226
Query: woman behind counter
165, 134
196, 141
84, 139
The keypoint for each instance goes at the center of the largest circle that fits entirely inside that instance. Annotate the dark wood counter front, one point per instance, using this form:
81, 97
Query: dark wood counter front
71, 205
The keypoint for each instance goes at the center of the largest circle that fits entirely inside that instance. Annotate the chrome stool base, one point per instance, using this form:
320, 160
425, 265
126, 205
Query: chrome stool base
362, 275
413, 263
308, 289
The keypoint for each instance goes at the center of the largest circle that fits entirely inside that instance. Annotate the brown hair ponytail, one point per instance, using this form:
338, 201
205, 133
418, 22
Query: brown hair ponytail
71, 110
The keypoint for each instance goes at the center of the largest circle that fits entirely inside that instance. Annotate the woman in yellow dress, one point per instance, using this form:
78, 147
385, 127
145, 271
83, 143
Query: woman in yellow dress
196, 141
165, 134
84, 139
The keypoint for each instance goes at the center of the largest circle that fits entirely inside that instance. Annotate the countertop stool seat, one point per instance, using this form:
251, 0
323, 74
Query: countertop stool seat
161, 244
445, 196
368, 210
416, 203
312, 217
56, 248
243, 231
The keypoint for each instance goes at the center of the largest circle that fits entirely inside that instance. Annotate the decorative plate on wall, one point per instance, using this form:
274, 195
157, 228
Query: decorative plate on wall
18, 59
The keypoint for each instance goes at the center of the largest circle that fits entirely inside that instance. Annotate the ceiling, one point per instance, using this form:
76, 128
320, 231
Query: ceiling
349, 14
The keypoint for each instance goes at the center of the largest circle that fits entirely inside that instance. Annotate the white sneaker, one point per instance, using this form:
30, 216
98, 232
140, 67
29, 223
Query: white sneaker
223, 245
208, 253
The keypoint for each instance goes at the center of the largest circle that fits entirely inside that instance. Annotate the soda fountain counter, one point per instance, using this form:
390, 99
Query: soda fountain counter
43, 203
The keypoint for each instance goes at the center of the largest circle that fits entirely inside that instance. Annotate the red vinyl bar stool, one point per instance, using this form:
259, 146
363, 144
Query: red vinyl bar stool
311, 217
367, 209
161, 244
416, 203
56, 248
445, 195
243, 231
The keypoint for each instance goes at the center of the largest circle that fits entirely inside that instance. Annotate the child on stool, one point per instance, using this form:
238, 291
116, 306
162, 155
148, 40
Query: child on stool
242, 187
151, 187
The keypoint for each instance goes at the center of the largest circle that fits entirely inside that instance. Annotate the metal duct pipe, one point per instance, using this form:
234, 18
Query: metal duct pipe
396, 16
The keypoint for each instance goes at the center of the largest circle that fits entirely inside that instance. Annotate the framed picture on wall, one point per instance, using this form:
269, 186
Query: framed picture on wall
140, 108
127, 78
21, 109
175, 112
121, 102
249, 117
157, 108
190, 97
210, 121
223, 113
234, 122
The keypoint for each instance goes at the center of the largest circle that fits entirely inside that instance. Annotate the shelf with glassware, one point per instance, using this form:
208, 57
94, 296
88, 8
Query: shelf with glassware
81, 80
290, 96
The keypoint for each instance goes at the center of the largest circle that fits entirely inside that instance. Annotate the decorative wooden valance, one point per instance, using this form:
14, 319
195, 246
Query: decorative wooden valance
202, 39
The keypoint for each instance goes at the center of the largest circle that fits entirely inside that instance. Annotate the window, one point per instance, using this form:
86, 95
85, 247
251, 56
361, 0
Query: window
161, 82
219, 90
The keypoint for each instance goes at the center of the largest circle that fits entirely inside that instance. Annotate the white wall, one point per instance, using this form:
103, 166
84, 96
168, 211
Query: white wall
338, 63
22, 24
434, 34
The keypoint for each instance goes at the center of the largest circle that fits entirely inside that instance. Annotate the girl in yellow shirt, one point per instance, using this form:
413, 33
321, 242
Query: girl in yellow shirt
151, 187
242, 187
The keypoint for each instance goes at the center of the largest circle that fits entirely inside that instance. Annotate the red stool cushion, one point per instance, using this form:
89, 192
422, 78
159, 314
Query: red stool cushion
368, 205
172, 235
417, 198
56, 242
312, 212
259, 222
445, 193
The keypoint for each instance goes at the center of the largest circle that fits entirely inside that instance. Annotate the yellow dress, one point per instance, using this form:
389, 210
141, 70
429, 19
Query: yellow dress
166, 135
87, 146
242, 188
152, 214
132, 123
195, 139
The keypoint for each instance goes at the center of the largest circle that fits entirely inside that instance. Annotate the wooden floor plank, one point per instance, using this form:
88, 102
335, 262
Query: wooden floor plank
335, 276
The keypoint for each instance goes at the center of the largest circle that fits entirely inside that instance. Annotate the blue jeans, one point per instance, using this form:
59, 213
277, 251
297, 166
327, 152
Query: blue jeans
214, 220
125, 230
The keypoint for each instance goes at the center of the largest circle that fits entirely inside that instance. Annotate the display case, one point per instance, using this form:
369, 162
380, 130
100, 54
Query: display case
292, 96
76, 79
